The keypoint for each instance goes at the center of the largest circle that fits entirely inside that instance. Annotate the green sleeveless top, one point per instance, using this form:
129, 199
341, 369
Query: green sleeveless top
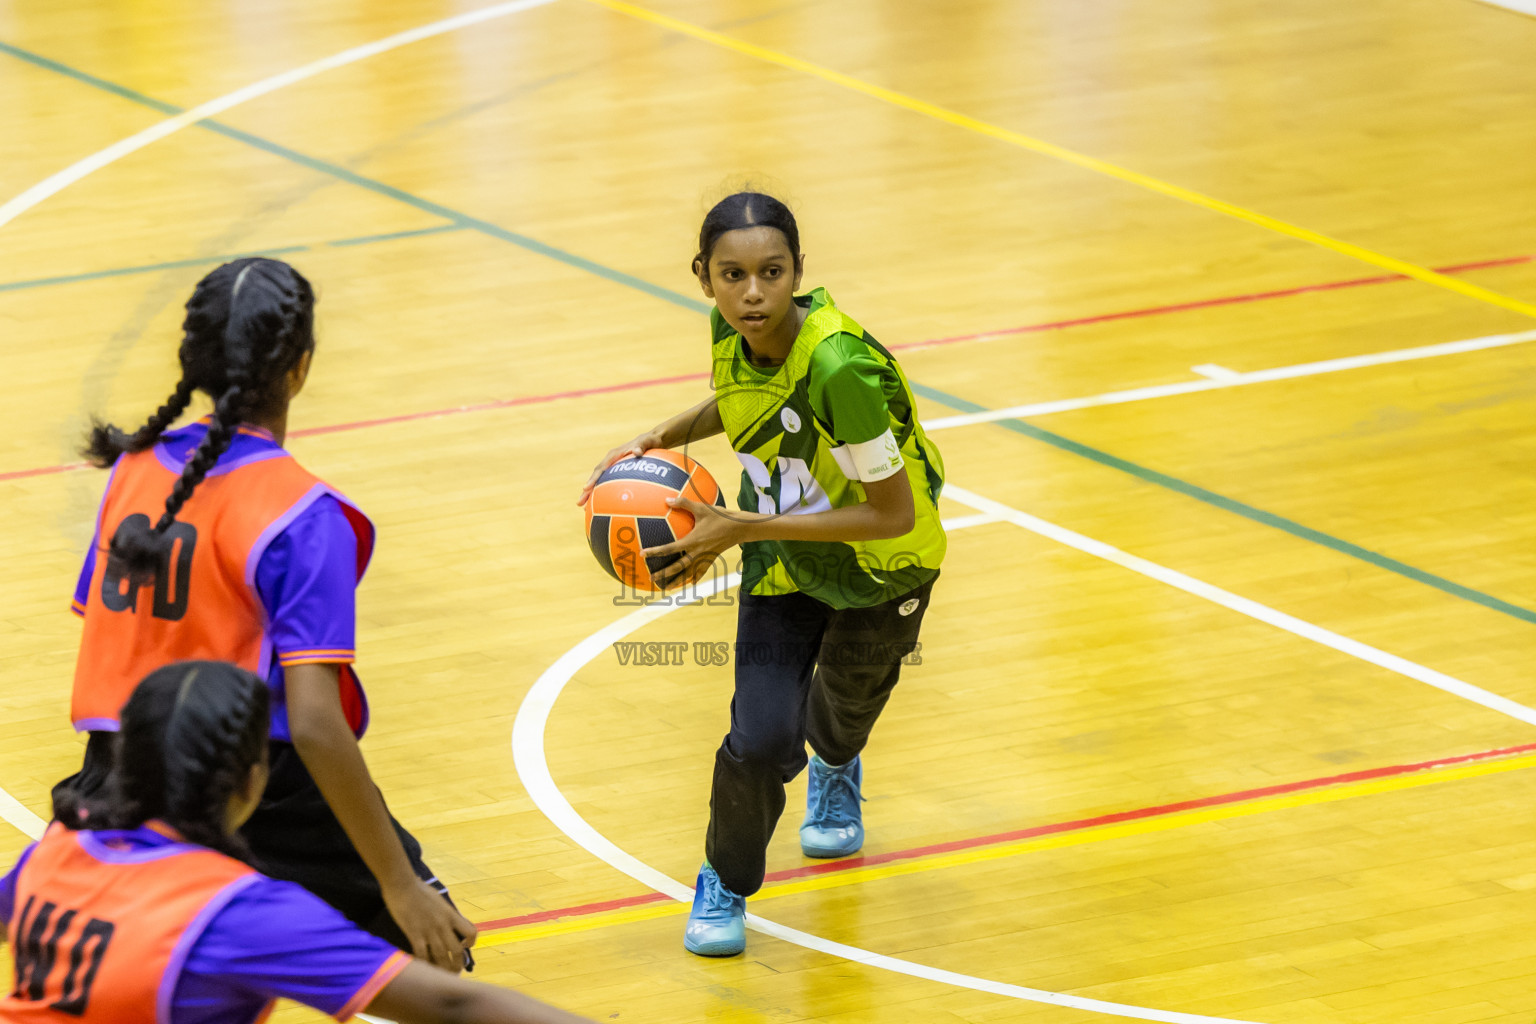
837, 412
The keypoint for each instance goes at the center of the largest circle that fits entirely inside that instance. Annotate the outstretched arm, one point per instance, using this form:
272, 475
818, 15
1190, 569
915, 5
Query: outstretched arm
325, 744
422, 994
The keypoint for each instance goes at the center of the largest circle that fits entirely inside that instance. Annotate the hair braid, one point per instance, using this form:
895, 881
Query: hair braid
190, 735
221, 429
205, 762
105, 442
267, 327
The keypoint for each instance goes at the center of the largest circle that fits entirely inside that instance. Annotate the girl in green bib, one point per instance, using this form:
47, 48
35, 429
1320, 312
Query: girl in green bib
841, 543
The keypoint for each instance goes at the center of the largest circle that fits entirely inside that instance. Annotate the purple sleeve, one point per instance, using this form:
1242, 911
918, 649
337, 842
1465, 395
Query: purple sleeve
8, 888
83, 586
277, 940
307, 579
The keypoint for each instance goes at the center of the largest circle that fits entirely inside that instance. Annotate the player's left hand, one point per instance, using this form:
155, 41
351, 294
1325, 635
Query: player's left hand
712, 533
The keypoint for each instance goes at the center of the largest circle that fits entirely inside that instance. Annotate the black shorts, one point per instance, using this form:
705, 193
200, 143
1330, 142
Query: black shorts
293, 836
296, 837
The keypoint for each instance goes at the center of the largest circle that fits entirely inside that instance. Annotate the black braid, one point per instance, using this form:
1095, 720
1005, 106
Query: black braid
190, 735
205, 761
248, 324
221, 429
106, 442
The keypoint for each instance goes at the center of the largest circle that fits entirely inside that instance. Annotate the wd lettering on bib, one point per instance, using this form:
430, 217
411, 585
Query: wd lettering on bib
101, 934
204, 602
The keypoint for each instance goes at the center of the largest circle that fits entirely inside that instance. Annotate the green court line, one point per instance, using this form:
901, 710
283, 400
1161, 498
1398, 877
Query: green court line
1234, 506
1018, 426
391, 236
200, 261
89, 79
352, 177
143, 268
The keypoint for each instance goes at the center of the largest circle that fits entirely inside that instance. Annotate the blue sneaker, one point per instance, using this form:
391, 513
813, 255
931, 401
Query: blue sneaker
717, 925
834, 824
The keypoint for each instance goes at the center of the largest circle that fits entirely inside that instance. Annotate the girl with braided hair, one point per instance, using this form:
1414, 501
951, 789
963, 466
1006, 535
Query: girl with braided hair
142, 907
222, 546
841, 544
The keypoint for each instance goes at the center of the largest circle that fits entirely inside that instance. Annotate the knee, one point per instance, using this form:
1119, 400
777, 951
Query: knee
855, 687
781, 750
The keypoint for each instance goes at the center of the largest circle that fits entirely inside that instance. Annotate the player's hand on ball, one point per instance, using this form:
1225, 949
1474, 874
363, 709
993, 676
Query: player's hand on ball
711, 535
632, 450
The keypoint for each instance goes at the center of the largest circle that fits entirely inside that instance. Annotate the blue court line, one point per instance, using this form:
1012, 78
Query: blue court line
1018, 426
201, 261
352, 177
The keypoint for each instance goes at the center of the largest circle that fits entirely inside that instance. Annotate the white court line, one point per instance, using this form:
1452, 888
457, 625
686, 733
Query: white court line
56, 183
1225, 378
961, 522
10, 808
1244, 606
15, 812
1522, 6
533, 768
1215, 371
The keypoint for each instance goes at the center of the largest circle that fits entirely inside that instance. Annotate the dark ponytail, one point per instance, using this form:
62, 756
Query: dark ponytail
745, 210
248, 323
190, 735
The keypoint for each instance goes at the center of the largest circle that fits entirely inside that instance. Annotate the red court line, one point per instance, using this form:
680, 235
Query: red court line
1231, 300
500, 403
1077, 825
337, 428
67, 467
635, 385
582, 910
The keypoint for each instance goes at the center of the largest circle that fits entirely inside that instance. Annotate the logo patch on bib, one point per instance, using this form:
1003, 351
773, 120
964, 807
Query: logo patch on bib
790, 419
908, 607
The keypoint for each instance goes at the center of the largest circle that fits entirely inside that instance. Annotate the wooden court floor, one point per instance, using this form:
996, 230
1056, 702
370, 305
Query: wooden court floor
1221, 312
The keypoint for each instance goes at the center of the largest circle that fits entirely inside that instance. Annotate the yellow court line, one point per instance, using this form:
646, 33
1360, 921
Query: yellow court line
1094, 164
545, 929
978, 855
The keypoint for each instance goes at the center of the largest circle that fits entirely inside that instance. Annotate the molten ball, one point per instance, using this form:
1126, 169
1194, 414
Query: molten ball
628, 512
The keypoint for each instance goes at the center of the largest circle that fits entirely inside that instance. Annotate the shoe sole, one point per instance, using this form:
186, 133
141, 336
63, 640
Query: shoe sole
714, 950
825, 852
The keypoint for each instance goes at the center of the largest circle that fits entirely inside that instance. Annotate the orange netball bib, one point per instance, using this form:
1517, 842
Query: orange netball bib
203, 603
100, 934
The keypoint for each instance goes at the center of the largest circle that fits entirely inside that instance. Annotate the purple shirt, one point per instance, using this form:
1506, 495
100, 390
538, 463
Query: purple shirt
305, 580
271, 940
